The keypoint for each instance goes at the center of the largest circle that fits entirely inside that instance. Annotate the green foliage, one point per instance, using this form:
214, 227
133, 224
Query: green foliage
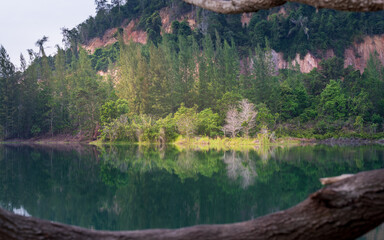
228, 100
167, 128
213, 67
308, 114
112, 16
181, 28
264, 117
359, 123
112, 110
302, 29
118, 130
2, 133
102, 58
361, 105
8, 97
186, 120
208, 123
35, 130
144, 128
333, 103
88, 92
289, 102
153, 28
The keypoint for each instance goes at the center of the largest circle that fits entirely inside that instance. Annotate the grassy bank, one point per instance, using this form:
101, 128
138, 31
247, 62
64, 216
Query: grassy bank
238, 143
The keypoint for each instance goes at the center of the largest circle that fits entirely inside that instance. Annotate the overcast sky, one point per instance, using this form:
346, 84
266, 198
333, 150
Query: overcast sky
23, 22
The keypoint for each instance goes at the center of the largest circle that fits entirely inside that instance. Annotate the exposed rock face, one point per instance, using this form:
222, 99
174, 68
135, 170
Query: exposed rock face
357, 55
167, 20
108, 38
96, 43
306, 64
246, 19
137, 35
134, 35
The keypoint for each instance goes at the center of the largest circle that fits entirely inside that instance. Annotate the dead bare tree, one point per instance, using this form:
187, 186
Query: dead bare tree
243, 121
247, 116
240, 6
232, 122
345, 209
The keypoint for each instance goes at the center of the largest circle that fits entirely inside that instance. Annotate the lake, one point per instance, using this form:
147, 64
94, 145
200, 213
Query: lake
139, 187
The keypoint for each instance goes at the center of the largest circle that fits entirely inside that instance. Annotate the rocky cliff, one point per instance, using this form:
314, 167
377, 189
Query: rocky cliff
130, 34
356, 55
140, 36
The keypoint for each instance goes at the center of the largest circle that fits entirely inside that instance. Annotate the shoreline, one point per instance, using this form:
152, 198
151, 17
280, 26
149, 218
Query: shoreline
202, 142
56, 139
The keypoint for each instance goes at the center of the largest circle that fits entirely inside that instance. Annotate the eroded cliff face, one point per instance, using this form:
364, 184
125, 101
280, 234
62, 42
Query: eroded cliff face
359, 53
246, 19
166, 19
306, 64
356, 56
130, 34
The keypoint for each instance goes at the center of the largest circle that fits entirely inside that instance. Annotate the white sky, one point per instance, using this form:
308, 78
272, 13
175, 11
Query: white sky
23, 22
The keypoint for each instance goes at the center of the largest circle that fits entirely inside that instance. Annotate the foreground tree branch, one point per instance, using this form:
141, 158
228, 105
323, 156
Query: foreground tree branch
345, 209
240, 6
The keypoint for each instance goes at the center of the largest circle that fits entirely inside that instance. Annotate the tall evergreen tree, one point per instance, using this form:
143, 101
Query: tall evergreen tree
8, 88
87, 95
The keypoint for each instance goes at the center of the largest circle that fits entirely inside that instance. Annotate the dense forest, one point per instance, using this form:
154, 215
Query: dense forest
217, 79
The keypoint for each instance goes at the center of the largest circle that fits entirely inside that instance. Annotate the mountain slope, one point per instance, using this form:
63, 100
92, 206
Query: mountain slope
356, 53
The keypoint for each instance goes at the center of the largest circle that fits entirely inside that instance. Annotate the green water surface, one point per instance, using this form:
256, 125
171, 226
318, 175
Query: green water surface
132, 187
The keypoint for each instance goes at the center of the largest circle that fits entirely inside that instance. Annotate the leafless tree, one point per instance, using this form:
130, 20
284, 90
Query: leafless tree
243, 121
247, 116
240, 6
233, 122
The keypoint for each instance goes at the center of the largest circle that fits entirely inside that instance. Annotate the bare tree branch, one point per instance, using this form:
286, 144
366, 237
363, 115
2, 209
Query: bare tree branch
233, 122
240, 6
247, 116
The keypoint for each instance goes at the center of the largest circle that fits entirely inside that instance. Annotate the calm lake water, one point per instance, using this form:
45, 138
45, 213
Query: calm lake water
131, 187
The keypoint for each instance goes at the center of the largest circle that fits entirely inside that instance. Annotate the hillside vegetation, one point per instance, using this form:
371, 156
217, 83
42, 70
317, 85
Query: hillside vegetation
217, 78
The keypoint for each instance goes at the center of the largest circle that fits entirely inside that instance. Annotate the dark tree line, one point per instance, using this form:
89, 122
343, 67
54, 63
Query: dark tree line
197, 76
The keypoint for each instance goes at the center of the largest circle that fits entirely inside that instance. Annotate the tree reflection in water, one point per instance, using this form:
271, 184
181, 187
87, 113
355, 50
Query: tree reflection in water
240, 166
138, 187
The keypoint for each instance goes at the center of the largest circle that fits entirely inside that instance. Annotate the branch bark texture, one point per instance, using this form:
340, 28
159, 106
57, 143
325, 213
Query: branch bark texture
345, 209
240, 6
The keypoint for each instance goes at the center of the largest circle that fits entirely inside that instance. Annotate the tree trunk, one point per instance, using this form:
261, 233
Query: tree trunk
345, 209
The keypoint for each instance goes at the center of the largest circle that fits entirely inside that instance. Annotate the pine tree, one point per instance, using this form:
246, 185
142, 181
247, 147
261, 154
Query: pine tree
60, 91
161, 94
8, 90
87, 95
28, 106
207, 75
